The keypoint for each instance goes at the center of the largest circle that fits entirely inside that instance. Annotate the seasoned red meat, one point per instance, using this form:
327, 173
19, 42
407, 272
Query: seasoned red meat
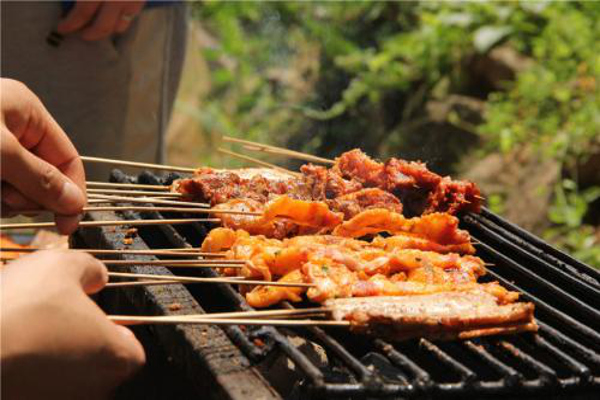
365, 199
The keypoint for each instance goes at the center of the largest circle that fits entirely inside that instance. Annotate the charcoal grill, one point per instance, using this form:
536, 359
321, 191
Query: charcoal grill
233, 362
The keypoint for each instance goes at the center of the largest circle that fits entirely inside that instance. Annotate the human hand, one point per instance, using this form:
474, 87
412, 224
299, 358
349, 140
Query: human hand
40, 166
56, 342
96, 20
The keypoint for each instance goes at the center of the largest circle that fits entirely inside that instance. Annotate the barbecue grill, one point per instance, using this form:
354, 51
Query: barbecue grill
237, 362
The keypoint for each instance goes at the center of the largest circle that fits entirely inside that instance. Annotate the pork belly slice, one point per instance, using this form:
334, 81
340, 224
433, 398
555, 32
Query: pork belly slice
444, 316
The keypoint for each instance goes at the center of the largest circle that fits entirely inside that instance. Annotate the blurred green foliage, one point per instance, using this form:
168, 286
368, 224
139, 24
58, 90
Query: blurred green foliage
327, 77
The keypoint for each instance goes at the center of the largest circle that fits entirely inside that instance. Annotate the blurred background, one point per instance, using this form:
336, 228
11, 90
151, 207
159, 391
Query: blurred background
505, 94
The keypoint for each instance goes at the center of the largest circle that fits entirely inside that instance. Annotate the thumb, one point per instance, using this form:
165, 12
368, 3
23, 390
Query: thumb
90, 273
39, 180
135, 350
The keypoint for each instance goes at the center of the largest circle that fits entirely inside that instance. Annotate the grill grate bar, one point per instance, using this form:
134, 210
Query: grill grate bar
564, 340
545, 250
423, 379
570, 281
343, 354
300, 359
546, 373
575, 366
510, 375
466, 374
557, 292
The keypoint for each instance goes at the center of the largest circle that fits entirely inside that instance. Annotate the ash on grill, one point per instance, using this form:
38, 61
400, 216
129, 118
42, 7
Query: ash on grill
236, 362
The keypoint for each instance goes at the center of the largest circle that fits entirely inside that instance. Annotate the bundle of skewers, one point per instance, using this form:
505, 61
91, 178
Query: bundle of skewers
376, 245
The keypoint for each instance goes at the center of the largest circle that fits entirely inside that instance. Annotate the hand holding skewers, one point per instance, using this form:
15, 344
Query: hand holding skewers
40, 166
52, 330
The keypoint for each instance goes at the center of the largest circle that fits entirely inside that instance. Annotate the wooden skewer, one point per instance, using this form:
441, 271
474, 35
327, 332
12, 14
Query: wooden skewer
111, 161
233, 263
96, 201
259, 162
135, 192
138, 320
172, 209
117, 185
278, 150
143, 222
151, 200
256, 314
172, 263
165, 252
177, 264
139, 283
191, 279
148, 208
191, 249
189, 210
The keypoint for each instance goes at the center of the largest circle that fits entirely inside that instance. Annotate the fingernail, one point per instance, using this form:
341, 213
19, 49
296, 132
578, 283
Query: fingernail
71, 194
126, 332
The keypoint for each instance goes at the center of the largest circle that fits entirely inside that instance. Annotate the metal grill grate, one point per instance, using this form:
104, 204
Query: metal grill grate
565, 354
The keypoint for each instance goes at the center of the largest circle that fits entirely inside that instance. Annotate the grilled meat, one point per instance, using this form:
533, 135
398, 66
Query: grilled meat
439, 227
354, 184
354, 203
281, 217
420, 190
342, 267
448, 315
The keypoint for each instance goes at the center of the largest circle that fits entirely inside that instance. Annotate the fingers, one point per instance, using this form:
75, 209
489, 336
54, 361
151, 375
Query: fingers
14, 201
130, 10
128, 351
67, 224
104, 24
98, 20
88, 270
125, 353
38, 179
80, 16
28, 120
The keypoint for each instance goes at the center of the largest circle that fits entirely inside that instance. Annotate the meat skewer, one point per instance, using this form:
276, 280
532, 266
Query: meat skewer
345, 267
139, 320
115, 185
403, 186
144, 193
144, 222
453, 315
219, 262
190, 279
183, 252
145, 200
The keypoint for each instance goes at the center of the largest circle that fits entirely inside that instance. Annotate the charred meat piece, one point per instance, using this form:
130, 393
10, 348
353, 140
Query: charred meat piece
326, 184
355, 183
354, 203
420, 190
258, 184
